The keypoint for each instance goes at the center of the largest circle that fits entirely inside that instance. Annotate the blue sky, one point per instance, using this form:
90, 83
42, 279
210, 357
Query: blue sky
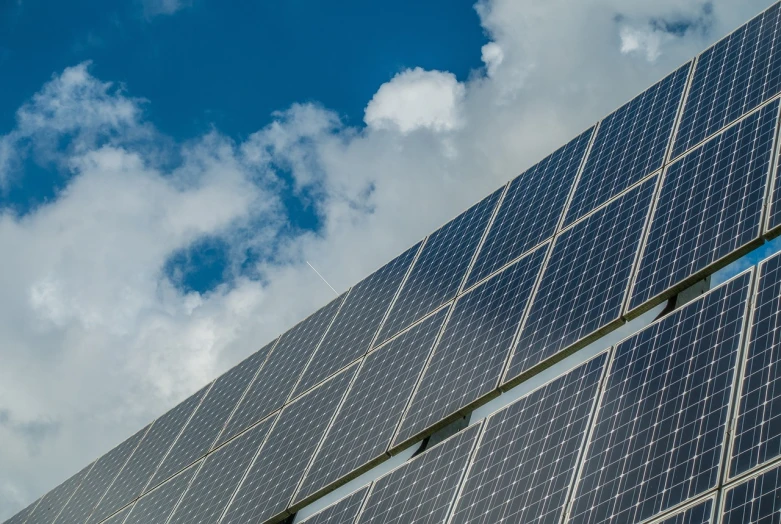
169, 167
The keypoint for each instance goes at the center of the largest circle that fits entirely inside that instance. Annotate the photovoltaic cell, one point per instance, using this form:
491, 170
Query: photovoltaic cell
470, 357
275, 380
98, 480
660, 427
421, 491
757, 434
342, 512
134, 477
157, 505
527, 457
701, 513
274, 475
710, 206
352, 332
440, 268
367, 420
211, 490
207, 422
630, 144
531, 208
733, 77
52, 503
754, 501
585, 280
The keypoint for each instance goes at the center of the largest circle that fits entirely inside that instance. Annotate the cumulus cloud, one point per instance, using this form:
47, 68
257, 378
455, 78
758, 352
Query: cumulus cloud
96, 338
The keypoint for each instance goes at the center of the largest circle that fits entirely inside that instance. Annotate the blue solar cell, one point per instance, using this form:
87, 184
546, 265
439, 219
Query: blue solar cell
584, 283
757, 434
342, 512
439, 271
630, 144
531, 208
731, 78
470, 357
700, 513
756, 500
359, 318
660, 428
709, 208
526, 459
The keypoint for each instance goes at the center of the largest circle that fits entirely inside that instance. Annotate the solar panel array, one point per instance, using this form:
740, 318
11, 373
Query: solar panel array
680, 423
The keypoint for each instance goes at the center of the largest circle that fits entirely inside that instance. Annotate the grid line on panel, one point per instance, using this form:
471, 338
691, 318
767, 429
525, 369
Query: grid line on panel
422, 490
157, 505
701, 512
275, 380
440, 270
365, 423
734, 76
97, 482
276, 471
469, 357
709, 209
526, 457
355, 326
583, 285
53, 502
660, 428
753, 500
343, 511
530, 209
630, 145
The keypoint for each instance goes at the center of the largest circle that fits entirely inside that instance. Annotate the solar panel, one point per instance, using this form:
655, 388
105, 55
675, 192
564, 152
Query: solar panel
658, 436
211, 490
275, 380
709, 208
439, 271
583, 286
157, 505
757, 434
756, 500
736, 75
528, 453
470, 357
630, 144
531, 208
274, 475
699, 513
367, 420
53, 502
139, 469
351, 334
98, 480
207, 422
343, 511
421, 491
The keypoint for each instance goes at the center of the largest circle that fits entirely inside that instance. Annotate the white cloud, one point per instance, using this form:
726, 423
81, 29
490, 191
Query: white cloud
96, 340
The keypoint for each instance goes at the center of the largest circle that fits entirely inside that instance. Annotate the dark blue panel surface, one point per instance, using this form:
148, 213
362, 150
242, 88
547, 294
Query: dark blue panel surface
342, 512
630, 144
731, 78
585, 281
275, 380
531, 208
469, 359
422, 490
211, 490
754, 501
526, 460
757, 435
660, 428
55, 500
710, 206
366, 422
441, 267
157, 505
701, 513
351, 334
274, 475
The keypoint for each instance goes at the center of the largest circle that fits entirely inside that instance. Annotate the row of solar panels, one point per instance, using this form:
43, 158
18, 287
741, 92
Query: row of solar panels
594, 234
674, 423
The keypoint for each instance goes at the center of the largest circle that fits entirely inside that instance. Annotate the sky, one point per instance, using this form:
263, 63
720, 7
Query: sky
169, 167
